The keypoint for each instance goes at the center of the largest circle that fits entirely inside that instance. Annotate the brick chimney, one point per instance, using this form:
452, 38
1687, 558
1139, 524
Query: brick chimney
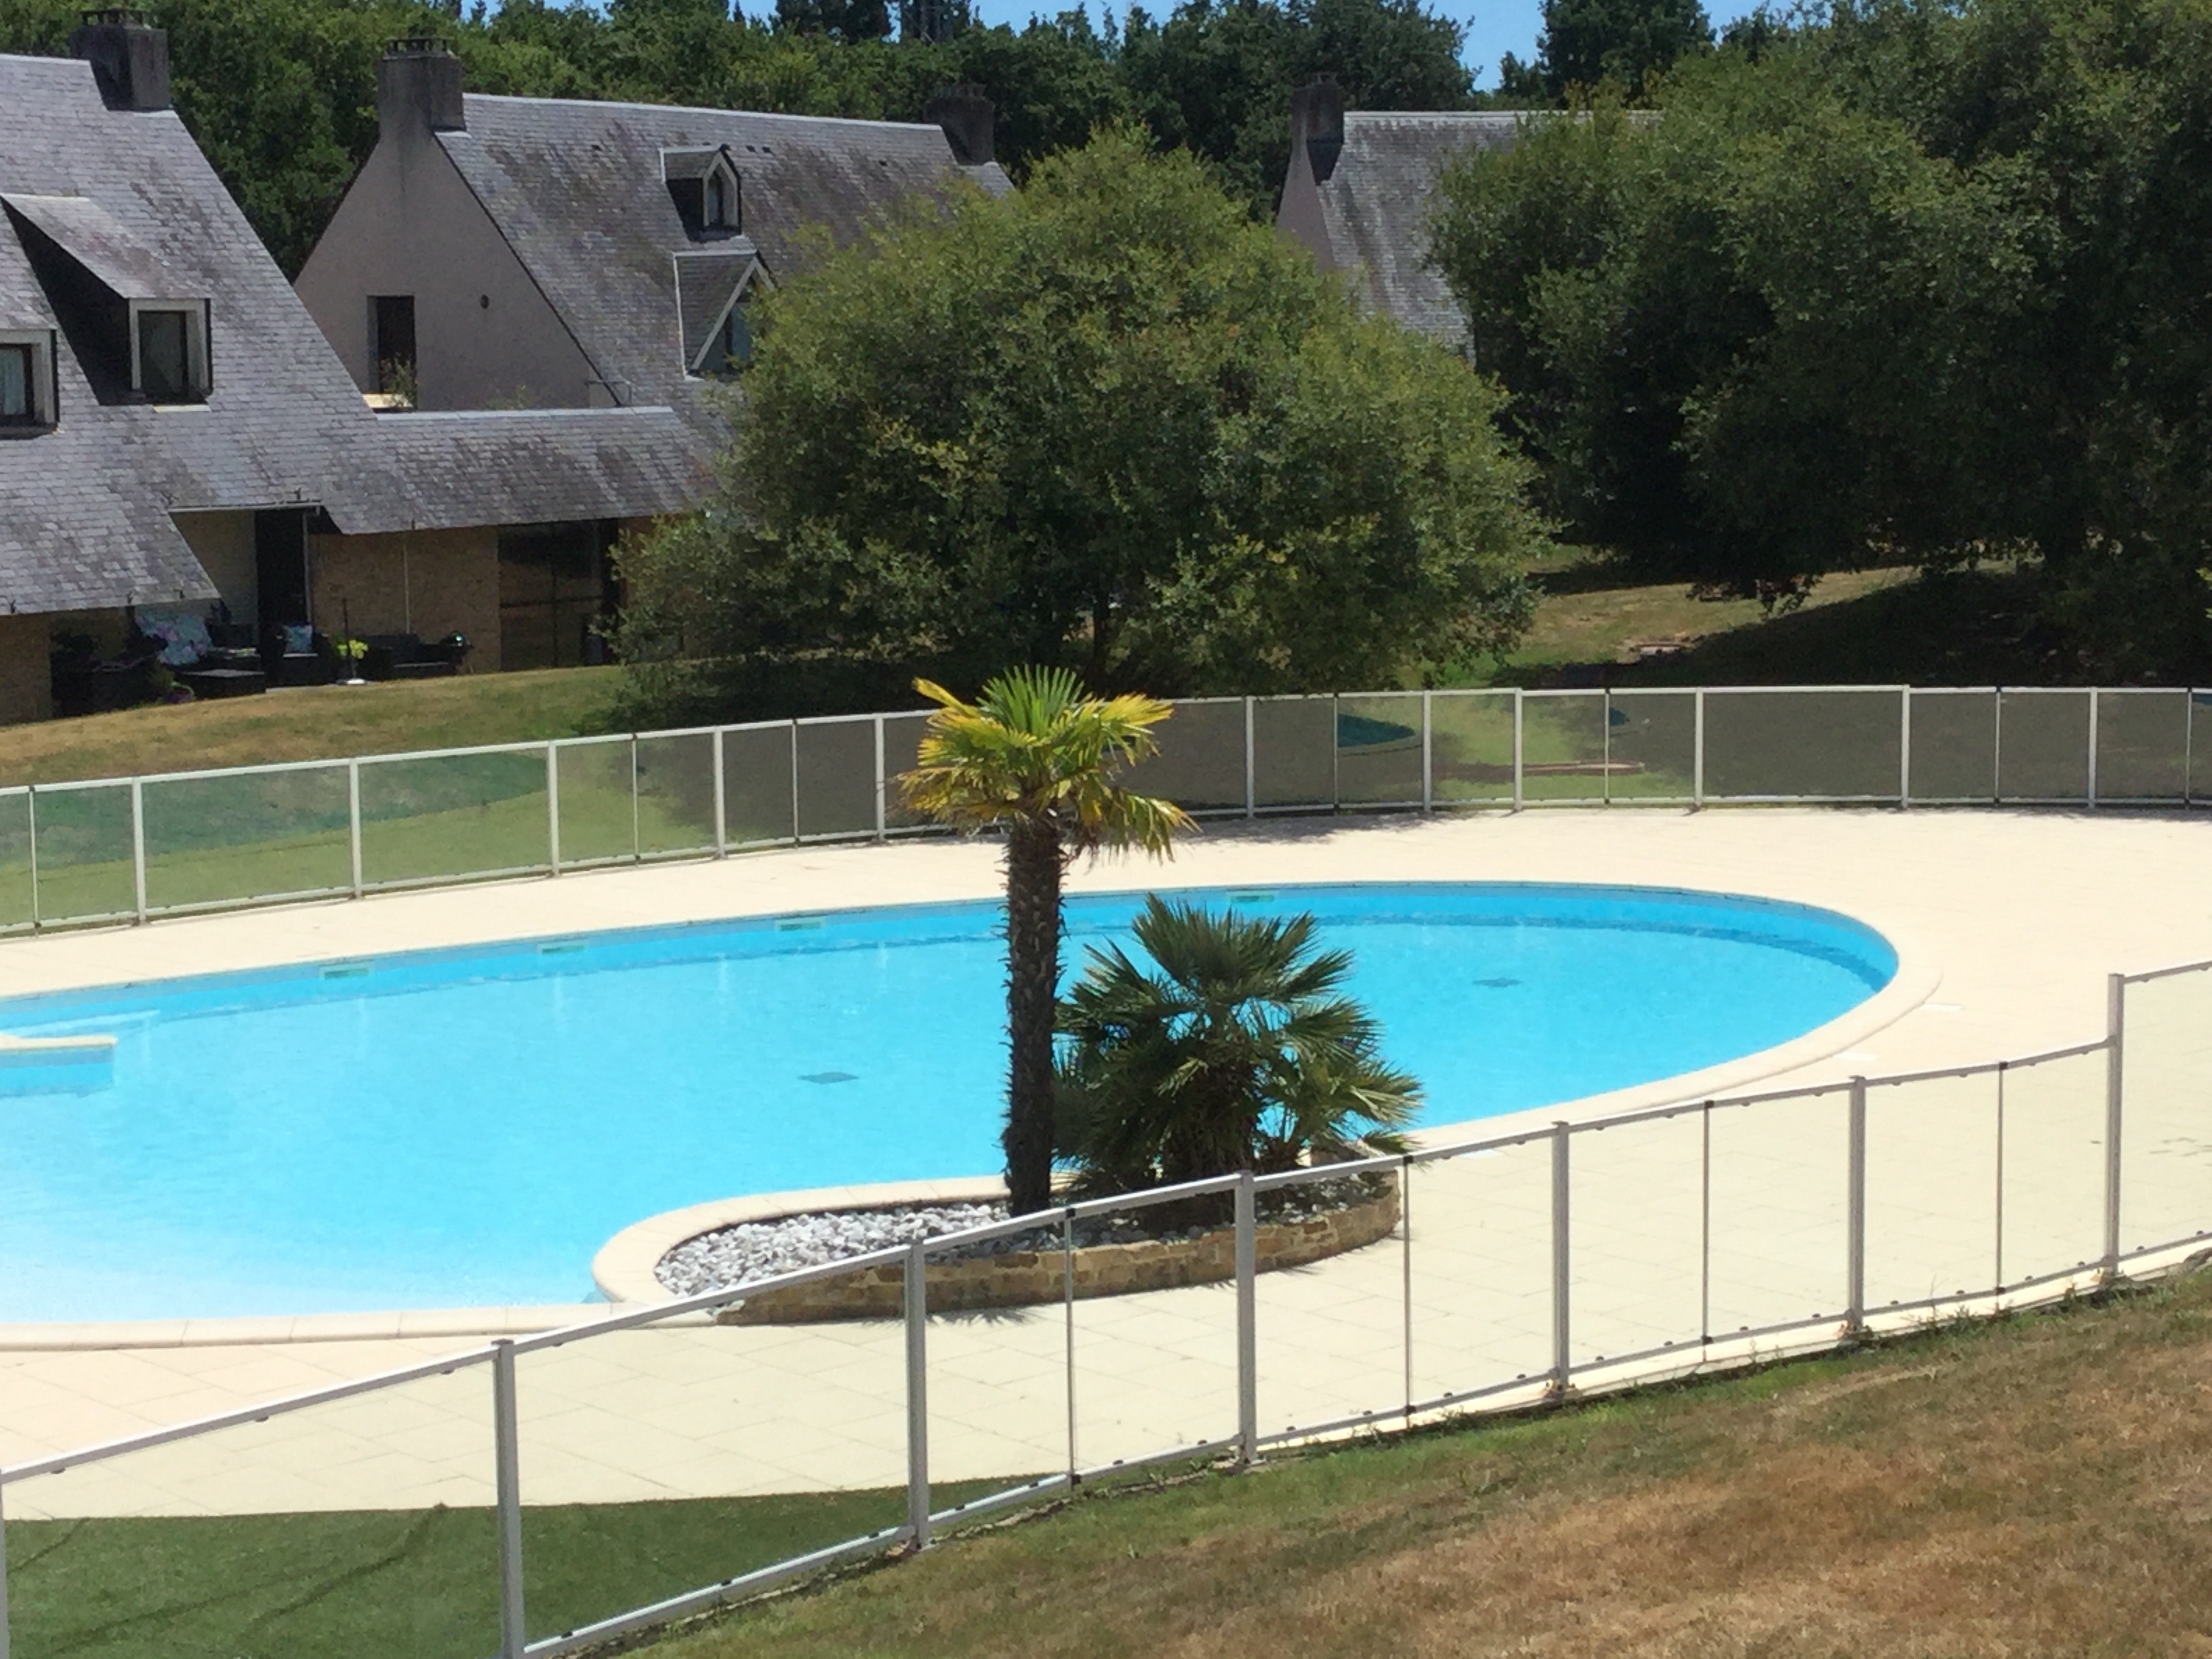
1317, 125
967, 117
418, 88
129, 59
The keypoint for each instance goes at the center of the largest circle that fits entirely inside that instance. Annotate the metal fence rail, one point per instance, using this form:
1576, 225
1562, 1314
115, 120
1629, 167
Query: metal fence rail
1518, 1267
128, 849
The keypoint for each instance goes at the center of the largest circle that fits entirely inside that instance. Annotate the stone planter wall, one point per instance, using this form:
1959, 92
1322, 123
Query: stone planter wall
1025, 1277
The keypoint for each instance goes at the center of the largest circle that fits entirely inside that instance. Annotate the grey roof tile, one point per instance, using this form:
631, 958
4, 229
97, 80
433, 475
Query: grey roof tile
85, 508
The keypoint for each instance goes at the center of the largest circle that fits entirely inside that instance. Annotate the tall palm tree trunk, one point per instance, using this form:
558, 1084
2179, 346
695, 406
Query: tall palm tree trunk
1034, 864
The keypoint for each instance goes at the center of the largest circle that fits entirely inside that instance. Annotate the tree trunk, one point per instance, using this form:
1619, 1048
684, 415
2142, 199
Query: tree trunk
1033, 872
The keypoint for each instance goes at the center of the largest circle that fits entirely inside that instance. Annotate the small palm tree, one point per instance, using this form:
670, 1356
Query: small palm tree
1237, 1051
1035, 754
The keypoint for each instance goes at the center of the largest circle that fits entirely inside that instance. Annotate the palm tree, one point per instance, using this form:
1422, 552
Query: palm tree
1036, 755
1237, 1051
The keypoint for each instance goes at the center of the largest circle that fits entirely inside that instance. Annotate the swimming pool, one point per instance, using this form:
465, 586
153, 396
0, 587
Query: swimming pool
459, 1127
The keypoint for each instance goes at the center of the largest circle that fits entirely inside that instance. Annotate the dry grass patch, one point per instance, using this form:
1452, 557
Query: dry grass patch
2037, 1487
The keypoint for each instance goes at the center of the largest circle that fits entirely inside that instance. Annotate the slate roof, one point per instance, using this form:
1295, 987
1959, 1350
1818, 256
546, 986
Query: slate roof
578, 189
85, 507
1375, 205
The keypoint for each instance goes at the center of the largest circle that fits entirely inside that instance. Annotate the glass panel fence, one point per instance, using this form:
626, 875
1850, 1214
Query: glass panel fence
1563, 748
1651, 745
1200, 763
1293, 751
837, 777
675, 795
1156, 1373
1636, 1255
1000, 1411
2165, 1111
1378, 750
756, 778
664, 1459
1332, 1342
2043, 745
15, 906
599, 801
1779, 1231
434, 817
1471, 747
84, 852
1803, 745
2142, 745
362, 1525
2054, 1168
1480, 1226
1931, 1190
1955, 746
235, 837
902, 736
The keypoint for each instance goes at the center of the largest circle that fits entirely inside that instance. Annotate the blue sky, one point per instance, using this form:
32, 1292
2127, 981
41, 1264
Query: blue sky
1491, 32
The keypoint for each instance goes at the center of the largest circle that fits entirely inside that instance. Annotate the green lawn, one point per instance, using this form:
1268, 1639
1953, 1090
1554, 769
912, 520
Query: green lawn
2034, 1487
313, 723
378, 1585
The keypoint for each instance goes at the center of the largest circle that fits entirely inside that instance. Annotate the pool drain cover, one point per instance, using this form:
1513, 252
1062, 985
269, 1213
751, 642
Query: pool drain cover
829, 1077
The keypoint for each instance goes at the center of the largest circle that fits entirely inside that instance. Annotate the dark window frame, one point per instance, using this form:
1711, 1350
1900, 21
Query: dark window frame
31, 414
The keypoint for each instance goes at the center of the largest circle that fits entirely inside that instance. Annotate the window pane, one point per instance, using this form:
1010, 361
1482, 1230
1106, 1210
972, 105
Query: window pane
15, 383
162, 372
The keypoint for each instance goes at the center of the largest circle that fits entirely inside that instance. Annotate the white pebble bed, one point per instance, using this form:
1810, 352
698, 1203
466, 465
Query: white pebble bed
754, 1250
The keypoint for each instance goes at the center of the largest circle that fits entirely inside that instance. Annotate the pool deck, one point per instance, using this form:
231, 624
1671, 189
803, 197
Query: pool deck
2006, 923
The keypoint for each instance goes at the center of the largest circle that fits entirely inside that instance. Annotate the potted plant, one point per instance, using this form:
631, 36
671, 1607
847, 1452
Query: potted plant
349, 652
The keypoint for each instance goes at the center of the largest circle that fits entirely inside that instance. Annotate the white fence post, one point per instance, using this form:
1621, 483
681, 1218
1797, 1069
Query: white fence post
3, 1574
1428, 751
721, 802
1697, 750
1248, 1321
2116, 1019
917, 1392
1854, 1216
2096, 698
1518, 725
1562, 1261
138, 846
1905, 748
880, 815
1251, 763
352, 821
553, 806
513, 1634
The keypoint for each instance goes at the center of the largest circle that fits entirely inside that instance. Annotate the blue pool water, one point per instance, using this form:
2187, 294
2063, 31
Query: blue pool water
447, 1128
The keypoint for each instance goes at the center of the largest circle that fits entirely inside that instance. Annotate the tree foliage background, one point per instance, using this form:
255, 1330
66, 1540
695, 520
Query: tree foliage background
1914, 282
1108, 423
282, 94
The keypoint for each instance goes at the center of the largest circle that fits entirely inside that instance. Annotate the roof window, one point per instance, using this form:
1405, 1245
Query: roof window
169, 351
27, 381
703, 183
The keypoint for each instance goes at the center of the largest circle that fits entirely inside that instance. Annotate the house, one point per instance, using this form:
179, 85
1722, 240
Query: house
176, 433
557, 253
1358, 195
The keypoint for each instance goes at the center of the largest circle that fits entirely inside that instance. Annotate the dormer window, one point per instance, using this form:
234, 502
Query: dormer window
168, 351
703, 185
26, 380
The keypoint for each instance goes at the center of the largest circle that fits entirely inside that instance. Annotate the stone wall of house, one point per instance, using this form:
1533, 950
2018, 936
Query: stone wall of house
26, 682
427, 582
1025, 1277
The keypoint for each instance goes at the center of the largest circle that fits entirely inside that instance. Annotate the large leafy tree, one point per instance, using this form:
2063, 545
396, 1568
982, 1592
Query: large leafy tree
1588, 43
1108, 423
1037, 758
1232, 1047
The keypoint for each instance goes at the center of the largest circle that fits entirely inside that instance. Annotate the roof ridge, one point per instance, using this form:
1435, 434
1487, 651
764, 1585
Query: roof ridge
699, 109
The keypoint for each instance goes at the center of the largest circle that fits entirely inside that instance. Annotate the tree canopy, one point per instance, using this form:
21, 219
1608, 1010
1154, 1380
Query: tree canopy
1922, 282
1109, 423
